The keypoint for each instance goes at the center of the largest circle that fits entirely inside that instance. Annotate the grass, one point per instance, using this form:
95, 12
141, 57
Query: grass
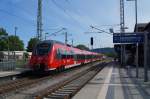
21, 63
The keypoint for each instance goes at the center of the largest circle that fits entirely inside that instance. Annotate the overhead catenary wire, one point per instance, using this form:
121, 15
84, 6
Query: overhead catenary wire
66, 12
23, 9
18, 17
101, 31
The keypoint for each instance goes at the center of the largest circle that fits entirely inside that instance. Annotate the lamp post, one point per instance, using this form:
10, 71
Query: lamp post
16, 28
136, 30
8, 46
72, 42
135, 14
145, 57
46, 35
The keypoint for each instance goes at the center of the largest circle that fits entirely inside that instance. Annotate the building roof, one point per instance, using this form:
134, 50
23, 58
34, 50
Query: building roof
140, 27
16, 52
147, 27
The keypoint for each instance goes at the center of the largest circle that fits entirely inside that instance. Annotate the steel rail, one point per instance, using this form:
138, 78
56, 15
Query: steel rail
69, 87
25, 82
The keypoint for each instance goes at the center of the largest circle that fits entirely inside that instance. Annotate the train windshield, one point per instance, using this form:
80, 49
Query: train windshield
42, 49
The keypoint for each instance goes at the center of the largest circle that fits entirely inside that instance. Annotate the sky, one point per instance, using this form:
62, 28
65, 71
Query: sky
74, 15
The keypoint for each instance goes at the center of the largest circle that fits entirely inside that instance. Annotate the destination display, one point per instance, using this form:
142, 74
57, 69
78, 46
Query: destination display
128, 37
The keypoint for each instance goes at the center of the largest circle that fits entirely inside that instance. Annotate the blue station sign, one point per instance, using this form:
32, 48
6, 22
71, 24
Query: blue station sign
128, 37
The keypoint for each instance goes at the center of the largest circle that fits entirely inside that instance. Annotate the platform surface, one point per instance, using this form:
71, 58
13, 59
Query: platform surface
8, 73
114, 82
12, 73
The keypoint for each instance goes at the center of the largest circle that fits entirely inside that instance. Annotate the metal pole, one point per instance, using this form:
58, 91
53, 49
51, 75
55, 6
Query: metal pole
66, 38
46, 35
122, 29
136, 30
137, 52
8, 47
16, 28
145, 58
136, 14
39, 20
72, 42
15, 43
137, 63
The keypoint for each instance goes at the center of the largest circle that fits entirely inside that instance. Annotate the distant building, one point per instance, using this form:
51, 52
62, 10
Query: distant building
140, 27
130, 55
143, 27
18, 55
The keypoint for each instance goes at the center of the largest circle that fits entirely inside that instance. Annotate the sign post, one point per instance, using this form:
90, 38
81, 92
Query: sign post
134, 38
137, 60
145, 57
92, 46
128, 38
92, 42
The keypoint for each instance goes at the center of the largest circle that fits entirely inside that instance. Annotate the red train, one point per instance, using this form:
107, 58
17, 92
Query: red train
51, 55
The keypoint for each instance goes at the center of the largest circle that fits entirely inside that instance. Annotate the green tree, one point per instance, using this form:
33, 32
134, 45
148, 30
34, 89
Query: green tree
25, 56
111, 54
1, 56
12, 43
3, 44
3, 32
82, 47
31, 44
3, 40
15, 44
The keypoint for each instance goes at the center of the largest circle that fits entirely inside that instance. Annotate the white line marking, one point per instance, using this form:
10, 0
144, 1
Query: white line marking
104, 89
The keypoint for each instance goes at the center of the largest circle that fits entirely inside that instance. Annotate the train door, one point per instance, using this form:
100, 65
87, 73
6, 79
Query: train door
59, 57
72, 54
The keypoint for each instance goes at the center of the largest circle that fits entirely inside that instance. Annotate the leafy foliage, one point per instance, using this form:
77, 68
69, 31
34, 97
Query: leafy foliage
31, 44
15, 44
3, 32
1, 56
111, 54
3, 45
3, 42
82, 47
12, 43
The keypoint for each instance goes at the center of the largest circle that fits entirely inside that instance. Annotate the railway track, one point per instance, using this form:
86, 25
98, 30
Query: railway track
20, 83
25, 82
68, 88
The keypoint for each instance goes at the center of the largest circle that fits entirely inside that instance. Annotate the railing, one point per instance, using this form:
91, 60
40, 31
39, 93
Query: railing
7, 66
12, 65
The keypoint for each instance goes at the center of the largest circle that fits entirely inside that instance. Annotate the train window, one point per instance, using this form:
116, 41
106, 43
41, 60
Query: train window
63, 54
80, 56
42, 49
58, 54
71, 53
75, 57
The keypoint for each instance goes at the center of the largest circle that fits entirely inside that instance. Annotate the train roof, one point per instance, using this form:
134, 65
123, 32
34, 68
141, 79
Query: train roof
51, 42
54, 41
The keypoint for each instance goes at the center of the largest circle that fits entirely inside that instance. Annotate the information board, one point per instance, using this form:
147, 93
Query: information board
128, 37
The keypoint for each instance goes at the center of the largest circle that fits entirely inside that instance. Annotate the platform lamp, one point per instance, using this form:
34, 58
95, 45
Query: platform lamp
136, 30
46, 35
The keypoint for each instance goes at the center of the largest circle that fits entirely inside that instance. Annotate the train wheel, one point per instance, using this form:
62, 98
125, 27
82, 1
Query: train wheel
57, 70
63, 68
60, 69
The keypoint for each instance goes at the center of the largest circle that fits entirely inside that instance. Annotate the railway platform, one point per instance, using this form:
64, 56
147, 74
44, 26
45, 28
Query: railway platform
114, 82
11, 73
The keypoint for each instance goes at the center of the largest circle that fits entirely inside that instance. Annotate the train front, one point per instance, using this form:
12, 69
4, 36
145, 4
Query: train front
40, 57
